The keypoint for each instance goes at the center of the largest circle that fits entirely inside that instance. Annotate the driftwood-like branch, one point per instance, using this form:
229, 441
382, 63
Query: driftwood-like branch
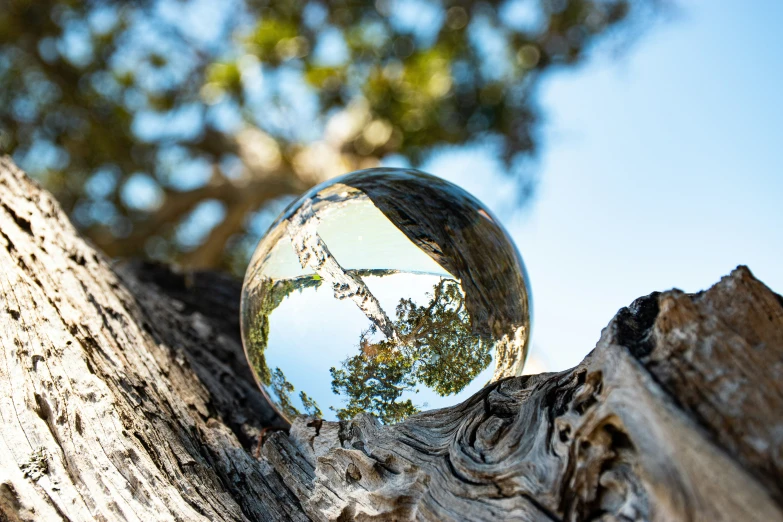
124, 395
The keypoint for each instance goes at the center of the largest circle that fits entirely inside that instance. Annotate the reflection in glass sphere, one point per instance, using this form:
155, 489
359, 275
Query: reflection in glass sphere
386, 291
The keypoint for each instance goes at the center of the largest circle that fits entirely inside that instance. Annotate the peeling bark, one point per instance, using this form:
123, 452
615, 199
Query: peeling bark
124, 395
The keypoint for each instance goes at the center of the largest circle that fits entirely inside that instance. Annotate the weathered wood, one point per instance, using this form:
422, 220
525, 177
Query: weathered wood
107, 413
124, 395
605, 439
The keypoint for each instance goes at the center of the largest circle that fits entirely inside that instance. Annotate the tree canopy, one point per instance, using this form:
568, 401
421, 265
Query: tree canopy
170, 128
435, 347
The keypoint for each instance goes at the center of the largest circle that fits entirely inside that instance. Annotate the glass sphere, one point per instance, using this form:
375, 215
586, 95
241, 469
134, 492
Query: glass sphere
386, 291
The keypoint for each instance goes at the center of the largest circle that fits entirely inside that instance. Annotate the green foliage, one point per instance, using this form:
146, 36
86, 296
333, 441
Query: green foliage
282, 390
310, 406
374, 382
94, 93
268, 296
435, 347
438, 337
271, 294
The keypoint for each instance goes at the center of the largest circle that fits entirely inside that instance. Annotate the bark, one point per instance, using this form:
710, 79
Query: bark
124, 395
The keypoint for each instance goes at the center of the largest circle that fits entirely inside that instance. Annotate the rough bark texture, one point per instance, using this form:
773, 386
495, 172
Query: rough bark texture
124, 395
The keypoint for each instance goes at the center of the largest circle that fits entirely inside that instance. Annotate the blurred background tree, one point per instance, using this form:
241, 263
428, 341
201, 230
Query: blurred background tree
177, 129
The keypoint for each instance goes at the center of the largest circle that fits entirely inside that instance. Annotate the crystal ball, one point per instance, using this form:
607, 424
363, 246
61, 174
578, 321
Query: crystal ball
387, 291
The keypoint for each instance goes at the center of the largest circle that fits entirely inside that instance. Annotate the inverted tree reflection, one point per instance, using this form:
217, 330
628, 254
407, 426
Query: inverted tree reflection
435, 347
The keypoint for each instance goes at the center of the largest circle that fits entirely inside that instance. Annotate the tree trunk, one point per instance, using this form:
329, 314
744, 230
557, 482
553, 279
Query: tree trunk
125, 395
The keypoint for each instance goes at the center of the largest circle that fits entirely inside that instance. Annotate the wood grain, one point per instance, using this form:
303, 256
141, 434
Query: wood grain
124, 395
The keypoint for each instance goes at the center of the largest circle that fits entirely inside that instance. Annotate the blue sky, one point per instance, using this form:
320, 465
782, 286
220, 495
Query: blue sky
661, 168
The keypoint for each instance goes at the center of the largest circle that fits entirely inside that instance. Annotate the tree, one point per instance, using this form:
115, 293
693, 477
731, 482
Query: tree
145, 117
264, 298
124, 394
374, 383
282, 390
435, 347
447, 355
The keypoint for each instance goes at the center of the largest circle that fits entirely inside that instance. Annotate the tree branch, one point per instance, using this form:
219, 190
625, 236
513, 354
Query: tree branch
313, 252
124, 395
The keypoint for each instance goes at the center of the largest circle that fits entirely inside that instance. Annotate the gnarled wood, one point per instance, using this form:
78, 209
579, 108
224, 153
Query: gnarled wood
605, 439
124, 395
